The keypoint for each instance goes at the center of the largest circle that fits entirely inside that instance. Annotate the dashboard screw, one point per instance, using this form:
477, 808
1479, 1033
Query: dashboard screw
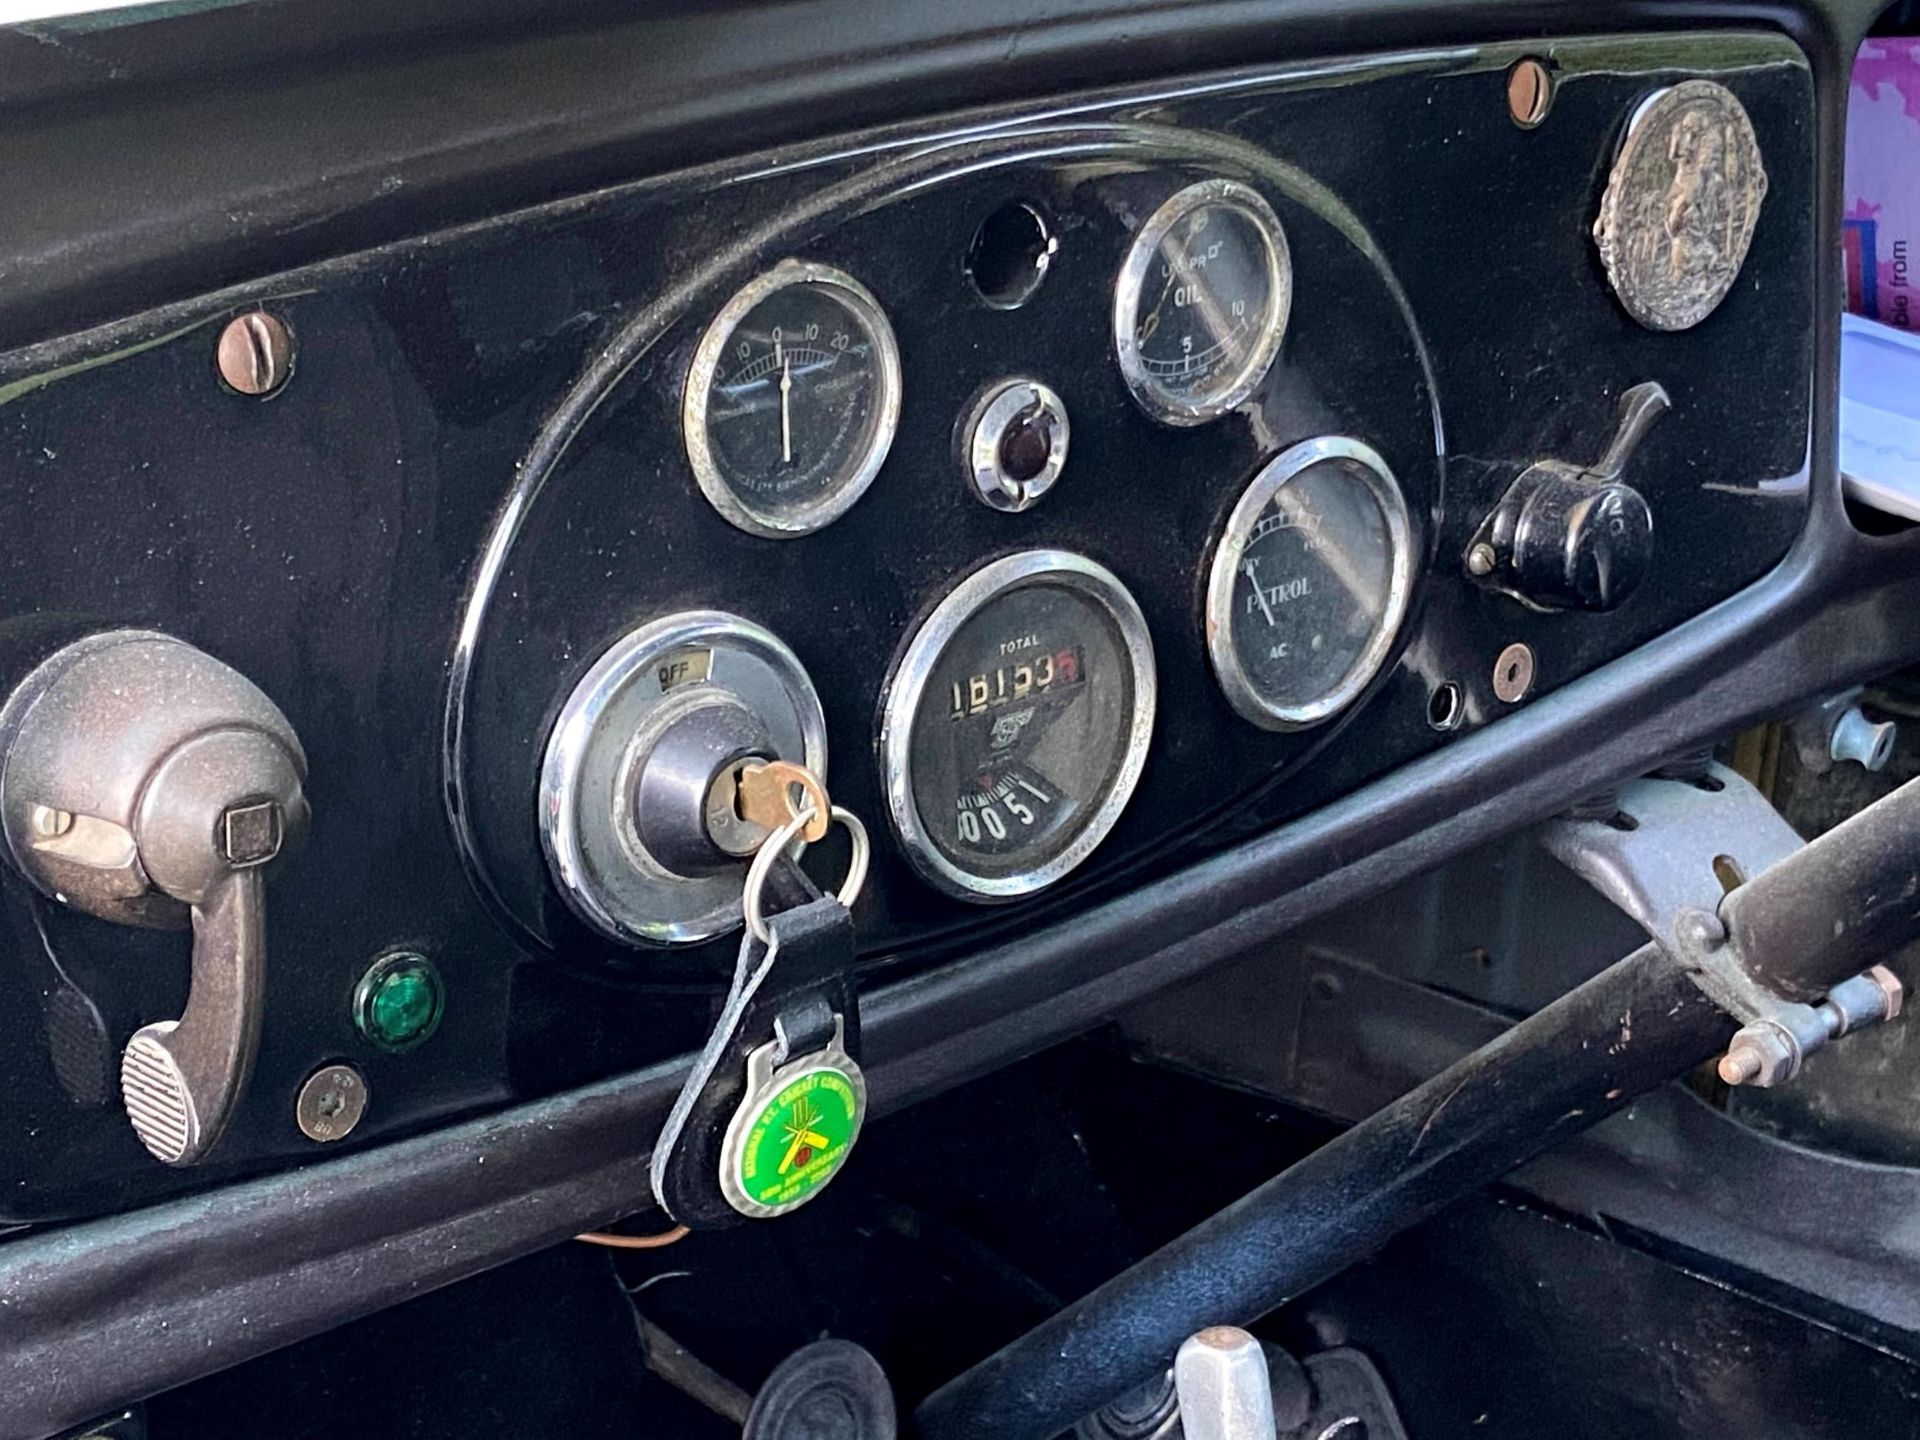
255, 354
1529, 92
1513, 674
331, 1103
51, 823
1480, 559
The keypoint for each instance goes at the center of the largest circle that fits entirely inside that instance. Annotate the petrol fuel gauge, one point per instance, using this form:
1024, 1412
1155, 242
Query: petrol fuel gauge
792, 400
1310, 583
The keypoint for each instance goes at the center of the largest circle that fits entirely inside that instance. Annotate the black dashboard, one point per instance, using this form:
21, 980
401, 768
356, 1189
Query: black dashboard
1125, 480
477, 472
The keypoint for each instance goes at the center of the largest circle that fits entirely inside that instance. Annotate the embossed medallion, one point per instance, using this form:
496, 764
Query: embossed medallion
1680, 206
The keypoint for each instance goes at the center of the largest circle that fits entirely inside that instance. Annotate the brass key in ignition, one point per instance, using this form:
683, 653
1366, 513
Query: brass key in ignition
766, 797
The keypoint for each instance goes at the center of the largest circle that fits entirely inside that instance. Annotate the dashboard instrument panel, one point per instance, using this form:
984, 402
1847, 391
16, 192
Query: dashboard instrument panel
849, 597
784, 442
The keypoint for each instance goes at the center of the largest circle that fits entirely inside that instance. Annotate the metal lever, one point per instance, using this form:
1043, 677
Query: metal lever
1630, 1028
1640, 406
180, 1079
146, 783
1566, 536
1225, 1391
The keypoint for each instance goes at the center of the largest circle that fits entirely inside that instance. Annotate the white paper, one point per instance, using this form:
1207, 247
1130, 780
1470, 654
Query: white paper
1880, 416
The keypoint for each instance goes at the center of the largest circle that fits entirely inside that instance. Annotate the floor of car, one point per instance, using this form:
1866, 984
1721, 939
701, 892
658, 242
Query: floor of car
963, 1222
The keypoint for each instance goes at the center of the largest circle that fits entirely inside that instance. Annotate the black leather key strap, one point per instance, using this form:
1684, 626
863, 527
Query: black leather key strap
798, 990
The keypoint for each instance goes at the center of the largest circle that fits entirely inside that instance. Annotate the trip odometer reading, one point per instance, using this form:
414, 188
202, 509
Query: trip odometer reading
1310, 583
792, 400
1018, 724
1202, 301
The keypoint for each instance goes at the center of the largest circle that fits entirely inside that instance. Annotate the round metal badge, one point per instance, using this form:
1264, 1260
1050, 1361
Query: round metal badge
1680, 206
793, 1129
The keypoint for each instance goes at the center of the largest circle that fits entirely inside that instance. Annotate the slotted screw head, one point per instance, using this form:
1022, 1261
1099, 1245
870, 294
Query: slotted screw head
255, 353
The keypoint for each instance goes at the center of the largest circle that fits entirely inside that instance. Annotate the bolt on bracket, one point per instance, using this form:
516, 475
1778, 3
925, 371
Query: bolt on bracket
1836, 730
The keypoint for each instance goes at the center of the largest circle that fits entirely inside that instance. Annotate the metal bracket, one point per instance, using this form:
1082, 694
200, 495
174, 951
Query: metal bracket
1668, 854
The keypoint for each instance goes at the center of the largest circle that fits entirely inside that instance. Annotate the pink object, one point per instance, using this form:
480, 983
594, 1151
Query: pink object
1883, 183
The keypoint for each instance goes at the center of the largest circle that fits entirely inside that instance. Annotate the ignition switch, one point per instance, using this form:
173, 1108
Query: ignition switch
1014, 444
637, 809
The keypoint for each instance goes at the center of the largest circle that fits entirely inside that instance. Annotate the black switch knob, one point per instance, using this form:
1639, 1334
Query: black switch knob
1567, 537
1580, 546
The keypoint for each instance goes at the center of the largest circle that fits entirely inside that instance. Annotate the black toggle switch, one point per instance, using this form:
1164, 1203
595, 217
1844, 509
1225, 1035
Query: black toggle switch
1567, 537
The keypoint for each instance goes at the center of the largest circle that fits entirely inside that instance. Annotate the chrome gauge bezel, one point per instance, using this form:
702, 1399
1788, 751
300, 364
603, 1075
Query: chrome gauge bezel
1235, 683
1149, 393
848, 487
593, 855
915, 670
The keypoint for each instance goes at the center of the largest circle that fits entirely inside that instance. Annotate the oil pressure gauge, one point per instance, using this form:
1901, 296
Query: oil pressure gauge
1310, 583
792, 400
1017, 724
1202, 301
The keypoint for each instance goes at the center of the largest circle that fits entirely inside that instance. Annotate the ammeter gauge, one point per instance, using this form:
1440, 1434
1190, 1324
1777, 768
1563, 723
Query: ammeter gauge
1017, 724
1202, 301
792, 400
1310, 583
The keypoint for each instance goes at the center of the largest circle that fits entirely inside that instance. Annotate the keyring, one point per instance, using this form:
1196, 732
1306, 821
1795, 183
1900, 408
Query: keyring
776, 844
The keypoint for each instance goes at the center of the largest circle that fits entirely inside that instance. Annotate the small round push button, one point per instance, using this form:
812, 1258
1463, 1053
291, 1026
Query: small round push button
1014, 444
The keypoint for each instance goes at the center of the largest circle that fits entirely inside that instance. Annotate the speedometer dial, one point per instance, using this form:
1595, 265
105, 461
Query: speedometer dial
1018, 724
792, 400
1310, 583
1202, 302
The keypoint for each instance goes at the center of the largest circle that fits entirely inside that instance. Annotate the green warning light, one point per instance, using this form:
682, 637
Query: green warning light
397, 1003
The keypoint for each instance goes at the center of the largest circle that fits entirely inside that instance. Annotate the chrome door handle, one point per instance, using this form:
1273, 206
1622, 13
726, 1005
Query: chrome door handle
146, 783
181, 1079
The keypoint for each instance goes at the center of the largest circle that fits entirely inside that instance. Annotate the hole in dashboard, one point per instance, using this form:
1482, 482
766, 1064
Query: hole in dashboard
1446, 706
1009, 255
